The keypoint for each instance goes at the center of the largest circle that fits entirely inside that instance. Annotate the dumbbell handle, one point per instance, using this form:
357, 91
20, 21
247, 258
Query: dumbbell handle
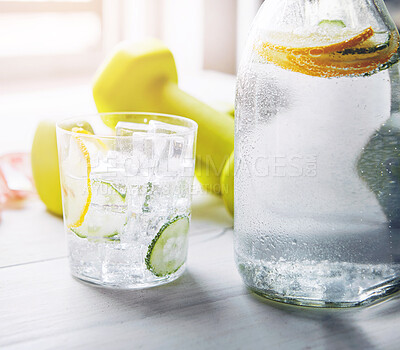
215, 139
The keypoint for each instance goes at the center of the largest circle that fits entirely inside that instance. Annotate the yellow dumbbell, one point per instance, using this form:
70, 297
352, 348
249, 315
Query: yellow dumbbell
143, 78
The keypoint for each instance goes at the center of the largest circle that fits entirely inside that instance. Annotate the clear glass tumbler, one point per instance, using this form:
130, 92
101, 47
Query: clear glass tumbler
317, 153
126, 191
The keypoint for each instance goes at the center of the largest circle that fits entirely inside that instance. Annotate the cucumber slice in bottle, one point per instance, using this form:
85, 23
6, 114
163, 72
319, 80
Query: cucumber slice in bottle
331, 24
106, 216
168, 250
379, 42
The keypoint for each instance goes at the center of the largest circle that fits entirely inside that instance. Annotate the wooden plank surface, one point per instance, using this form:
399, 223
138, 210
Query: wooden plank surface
30, 234
43, 307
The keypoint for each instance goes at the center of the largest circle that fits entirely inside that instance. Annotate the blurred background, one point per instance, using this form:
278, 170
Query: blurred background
64, 37
44, 38
50, 49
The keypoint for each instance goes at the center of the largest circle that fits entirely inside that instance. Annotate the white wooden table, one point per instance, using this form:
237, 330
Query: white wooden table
43, 307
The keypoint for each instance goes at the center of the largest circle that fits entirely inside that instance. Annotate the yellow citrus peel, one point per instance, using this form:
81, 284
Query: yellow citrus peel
329, 61
85, 154
79, 130
325, 49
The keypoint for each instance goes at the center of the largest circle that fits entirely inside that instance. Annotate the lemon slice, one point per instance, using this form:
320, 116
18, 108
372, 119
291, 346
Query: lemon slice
80, 130
94, 209
76, 185
80, 124
83, 131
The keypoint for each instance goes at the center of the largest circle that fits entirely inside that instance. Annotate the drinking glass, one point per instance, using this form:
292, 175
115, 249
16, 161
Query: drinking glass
126, 193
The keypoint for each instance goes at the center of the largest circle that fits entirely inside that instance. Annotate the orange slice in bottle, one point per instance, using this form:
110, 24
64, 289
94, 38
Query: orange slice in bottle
379, 44
362, 53
355, 61
320, 43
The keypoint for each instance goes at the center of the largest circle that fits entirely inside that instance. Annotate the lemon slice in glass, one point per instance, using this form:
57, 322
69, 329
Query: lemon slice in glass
76, 184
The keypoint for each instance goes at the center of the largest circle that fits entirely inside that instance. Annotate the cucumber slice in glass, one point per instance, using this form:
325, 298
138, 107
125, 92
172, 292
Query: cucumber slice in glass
106, 216
100, 225
168, 250
107, 193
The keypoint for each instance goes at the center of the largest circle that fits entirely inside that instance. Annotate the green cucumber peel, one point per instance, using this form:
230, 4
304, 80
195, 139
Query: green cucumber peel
172, 235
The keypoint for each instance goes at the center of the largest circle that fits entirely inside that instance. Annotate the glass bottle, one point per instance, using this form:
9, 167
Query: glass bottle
317, 153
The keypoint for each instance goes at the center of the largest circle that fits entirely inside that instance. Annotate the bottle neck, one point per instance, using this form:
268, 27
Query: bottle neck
356, 14
329, 10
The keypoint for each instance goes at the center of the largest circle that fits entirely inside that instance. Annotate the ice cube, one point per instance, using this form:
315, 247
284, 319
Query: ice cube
154, 149
174, 158
176, 154
143, 151
158, 127
189, 148
180, 143
158, 196
135, 149
112, 162
177, 147
132, 164
160, 145
143, 143
124, 144
128, 128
